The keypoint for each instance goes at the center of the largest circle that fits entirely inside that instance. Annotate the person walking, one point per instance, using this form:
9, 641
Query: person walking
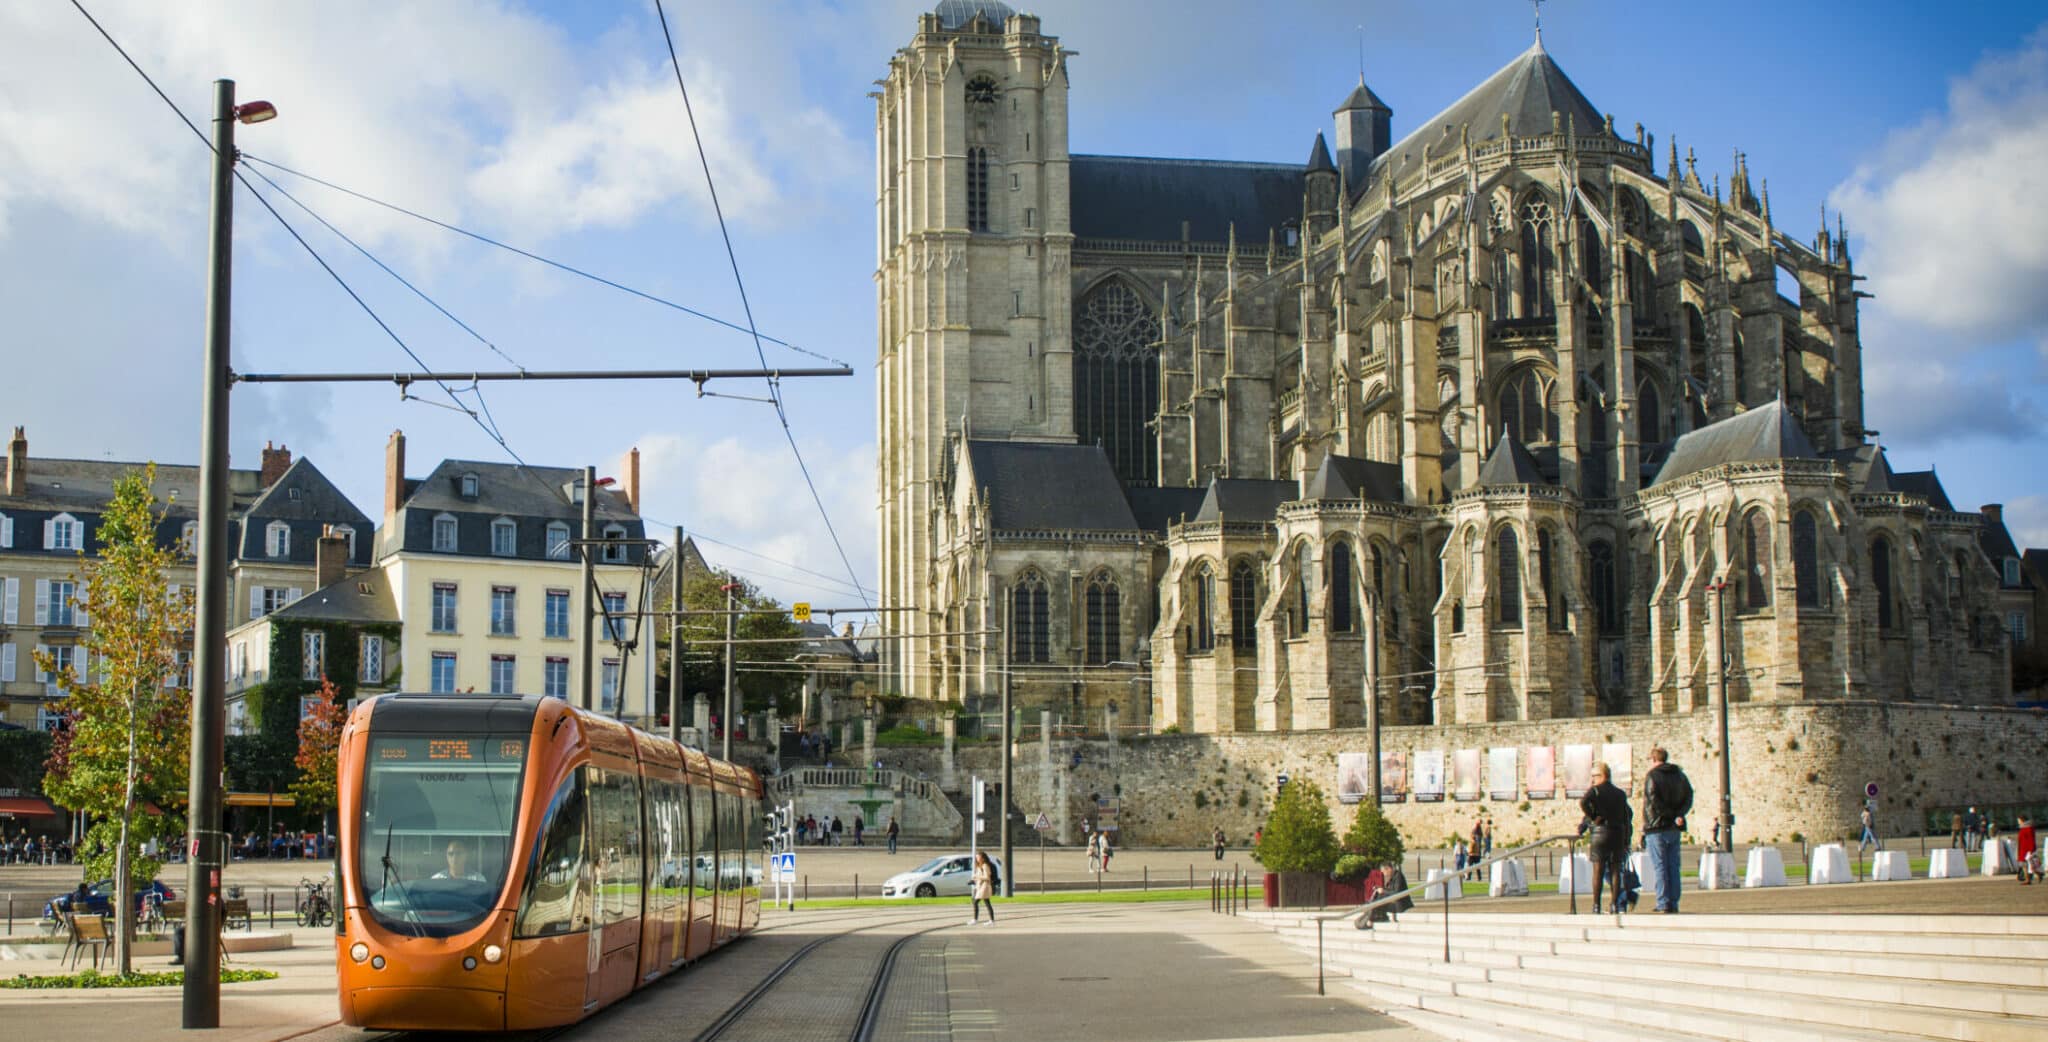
1667, 799
1108, 850
1972, 830
1216, 840
1955, 830
1869, 838
838, 830
893, 833
1487, 836
2023, 851
1094, 853
860, 828
983, 883
1611, 822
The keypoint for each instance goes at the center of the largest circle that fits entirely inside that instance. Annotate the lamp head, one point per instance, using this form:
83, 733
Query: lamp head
255, 112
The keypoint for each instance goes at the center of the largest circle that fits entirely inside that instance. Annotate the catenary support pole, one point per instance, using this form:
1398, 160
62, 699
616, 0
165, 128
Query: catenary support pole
201, 1001
1009, 863
725, 720
1721, 695
591, 605
675, 642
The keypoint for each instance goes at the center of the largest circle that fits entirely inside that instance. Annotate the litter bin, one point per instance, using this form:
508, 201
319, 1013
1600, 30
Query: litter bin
1272, 889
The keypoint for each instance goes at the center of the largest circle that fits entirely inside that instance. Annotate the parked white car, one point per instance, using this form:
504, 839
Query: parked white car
950, 875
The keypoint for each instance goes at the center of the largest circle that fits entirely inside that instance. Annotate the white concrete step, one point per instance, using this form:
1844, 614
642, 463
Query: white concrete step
1836, 983
1654, 1017
1707, 930
1465, 1018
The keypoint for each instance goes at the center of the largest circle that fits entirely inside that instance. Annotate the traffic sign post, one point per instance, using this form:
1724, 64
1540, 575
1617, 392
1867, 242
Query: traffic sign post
1041, 826
801, 610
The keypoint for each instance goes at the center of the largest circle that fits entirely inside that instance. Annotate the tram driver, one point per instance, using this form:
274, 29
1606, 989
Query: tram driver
459, 863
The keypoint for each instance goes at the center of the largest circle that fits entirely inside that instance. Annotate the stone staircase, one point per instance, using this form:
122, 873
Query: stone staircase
1020, 822
1768, 978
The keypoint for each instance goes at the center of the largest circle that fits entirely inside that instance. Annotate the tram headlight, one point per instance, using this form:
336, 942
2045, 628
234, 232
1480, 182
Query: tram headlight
359, 951
493, 953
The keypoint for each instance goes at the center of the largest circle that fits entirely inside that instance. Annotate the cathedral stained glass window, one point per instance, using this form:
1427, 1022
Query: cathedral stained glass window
1602, 583
1342, 583
977, 189
1806, 559
1508, 584
1105, 611
1244, 606
1116, 379
1205, 601
1881, 577
1539, 260
1528, 408
1756, 555
1029, 620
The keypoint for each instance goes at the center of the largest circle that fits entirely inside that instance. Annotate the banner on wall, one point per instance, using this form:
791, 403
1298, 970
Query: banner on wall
1500, 773
1542, 772
1429, 776
1578, 770
1616, 756
1393, 776
1465, 774
1354, 778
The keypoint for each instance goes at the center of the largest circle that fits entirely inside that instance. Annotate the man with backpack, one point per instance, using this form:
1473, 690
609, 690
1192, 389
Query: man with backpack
1667, 799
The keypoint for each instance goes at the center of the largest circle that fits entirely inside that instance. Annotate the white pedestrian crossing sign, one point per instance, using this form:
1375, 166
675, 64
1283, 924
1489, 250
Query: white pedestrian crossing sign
1043, 823
785, 867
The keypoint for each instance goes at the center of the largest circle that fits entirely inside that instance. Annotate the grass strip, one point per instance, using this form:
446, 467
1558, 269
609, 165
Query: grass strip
95, 979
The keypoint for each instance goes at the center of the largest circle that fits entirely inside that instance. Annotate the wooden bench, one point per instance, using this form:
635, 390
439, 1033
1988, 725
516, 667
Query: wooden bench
235, 914
89, 931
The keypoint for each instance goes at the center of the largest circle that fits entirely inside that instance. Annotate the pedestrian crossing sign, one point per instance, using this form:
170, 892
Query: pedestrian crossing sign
1043, 823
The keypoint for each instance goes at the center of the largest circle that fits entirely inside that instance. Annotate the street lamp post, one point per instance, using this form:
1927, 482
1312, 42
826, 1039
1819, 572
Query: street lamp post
725, 720
207, 849
1719, 589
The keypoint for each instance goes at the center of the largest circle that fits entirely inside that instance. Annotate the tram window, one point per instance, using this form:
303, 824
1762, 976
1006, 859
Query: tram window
615, 843
437, 819
674, 864
704, 842
756, 835
557, 899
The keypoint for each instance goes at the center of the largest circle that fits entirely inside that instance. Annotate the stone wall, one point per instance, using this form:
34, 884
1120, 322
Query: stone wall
1799, 768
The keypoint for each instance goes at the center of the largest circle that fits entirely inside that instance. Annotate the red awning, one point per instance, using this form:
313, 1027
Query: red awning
26, 807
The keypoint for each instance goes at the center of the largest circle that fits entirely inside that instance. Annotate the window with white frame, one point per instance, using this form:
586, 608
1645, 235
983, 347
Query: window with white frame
7, 662
555, 678
2012, 571
63, 532
370, 660
348, 533
614, 547
504, 610
443, 620
277, 539
181, 670
271, 598
313, 649
504, 537
608, 689
444, 533
62, 609
63, 659
10, 601
239, 663
614, 611
504, 674
557, 614
442, 679
558, 541
48, 719
469, 486
2016, 625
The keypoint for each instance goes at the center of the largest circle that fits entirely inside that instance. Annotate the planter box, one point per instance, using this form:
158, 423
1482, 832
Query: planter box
1297, 889
1336, 892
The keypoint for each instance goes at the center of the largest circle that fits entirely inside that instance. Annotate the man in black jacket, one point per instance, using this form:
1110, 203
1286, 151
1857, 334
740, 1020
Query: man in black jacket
1667, 799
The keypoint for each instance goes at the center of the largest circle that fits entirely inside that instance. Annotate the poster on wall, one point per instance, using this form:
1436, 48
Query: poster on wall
1429, 776
1393, 776
1500, 773
1465, 774
1615, 755
1542, 772
1353, 778
1578, 770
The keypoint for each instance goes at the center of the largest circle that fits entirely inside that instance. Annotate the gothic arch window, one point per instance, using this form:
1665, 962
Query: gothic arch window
1030, 621
1881, 577
1379, 433
1546, 578
1637, 273
1806, 559
1528, 407
1503, 284
1343, 583
1603, 582
1539, 259
1592, 254
1689, 234
1204, 603
1105, 614
1507, 589
1756, 560
1304, 587
1116, 378
977, 189
1244, 606
1649, 412
1735, 360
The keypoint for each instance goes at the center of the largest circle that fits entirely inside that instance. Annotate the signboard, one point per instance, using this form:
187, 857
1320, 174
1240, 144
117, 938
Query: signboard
785, 867
1393, 776
1106, 812
1617, 756
1500, 773
1429, 776
1578, 770
1353, 779
1043, 824
1542, 772
1465, 774
1870, 790
801, 611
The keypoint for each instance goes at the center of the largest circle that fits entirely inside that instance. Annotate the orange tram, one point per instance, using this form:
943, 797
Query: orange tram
511, 863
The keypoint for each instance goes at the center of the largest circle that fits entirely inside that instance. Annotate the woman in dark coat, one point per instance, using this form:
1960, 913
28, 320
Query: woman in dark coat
1612, 823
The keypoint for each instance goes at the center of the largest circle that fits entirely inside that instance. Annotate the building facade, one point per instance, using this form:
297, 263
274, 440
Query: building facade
1512, 418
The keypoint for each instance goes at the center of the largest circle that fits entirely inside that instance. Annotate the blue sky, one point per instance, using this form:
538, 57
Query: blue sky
558, 128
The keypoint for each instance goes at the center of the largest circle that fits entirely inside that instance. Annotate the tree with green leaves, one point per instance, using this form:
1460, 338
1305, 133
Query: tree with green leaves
319, 758
763, 677
1297, 836
1372, 836
127, 719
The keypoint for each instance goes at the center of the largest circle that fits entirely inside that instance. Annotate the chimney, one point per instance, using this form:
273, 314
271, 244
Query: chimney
632, 489
1991, 512
17, 463
330, 558
275, 462
394, 477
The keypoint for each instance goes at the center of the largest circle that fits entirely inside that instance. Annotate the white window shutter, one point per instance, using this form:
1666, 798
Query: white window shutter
42, 602
42, 675
81, 620
49, 533
6, 531
7, 663
255, 602
292, 594
10, 602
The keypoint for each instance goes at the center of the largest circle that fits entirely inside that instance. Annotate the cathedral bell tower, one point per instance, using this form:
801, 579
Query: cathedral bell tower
973, 308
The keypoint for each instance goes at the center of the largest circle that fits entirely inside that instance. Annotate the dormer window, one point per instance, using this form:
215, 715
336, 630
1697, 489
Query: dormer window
63, 532
294, 494
614, 547
2012, 571
277, 539
469, 486
347, 532
444, 533
6, 531
558, 541
504, 538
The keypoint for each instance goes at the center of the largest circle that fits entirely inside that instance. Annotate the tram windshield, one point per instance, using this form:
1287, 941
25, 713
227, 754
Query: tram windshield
438, 818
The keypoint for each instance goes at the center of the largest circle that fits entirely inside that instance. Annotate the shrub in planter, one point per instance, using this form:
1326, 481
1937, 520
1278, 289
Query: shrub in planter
1298, 845
1373, 837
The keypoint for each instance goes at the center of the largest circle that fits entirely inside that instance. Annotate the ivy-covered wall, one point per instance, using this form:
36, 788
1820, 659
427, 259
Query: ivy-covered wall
23, 755
263, 759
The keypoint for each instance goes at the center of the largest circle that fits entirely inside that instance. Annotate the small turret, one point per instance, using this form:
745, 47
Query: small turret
1319, 190
1364, 131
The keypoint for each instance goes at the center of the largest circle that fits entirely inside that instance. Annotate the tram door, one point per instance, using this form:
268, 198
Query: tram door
616, 847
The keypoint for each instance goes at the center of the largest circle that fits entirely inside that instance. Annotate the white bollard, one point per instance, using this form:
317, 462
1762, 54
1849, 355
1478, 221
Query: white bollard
1948, 863
1717, 871
1442, 878
2000, 859
1829, 863
1890, 865
1766, 868
1575, 875
1508, 880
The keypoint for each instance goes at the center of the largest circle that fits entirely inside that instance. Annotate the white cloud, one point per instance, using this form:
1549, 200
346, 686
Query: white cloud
2026, 517
1915, 399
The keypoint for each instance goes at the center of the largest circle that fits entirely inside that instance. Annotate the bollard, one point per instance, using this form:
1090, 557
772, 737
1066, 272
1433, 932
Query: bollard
1191, 877
807, 887
1148, 877
856, 886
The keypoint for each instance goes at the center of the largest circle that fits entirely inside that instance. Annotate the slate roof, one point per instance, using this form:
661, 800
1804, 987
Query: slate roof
2036, 561
1362, 97
1763, 433
1246, 499
1527, 89
1155, 508
531, 500
1510, 464
1998, 545
1349, 477
360, 598
1868, 469
956, 13
1129, 197
59, 485
1925, 484
1319, 156
1034, 486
